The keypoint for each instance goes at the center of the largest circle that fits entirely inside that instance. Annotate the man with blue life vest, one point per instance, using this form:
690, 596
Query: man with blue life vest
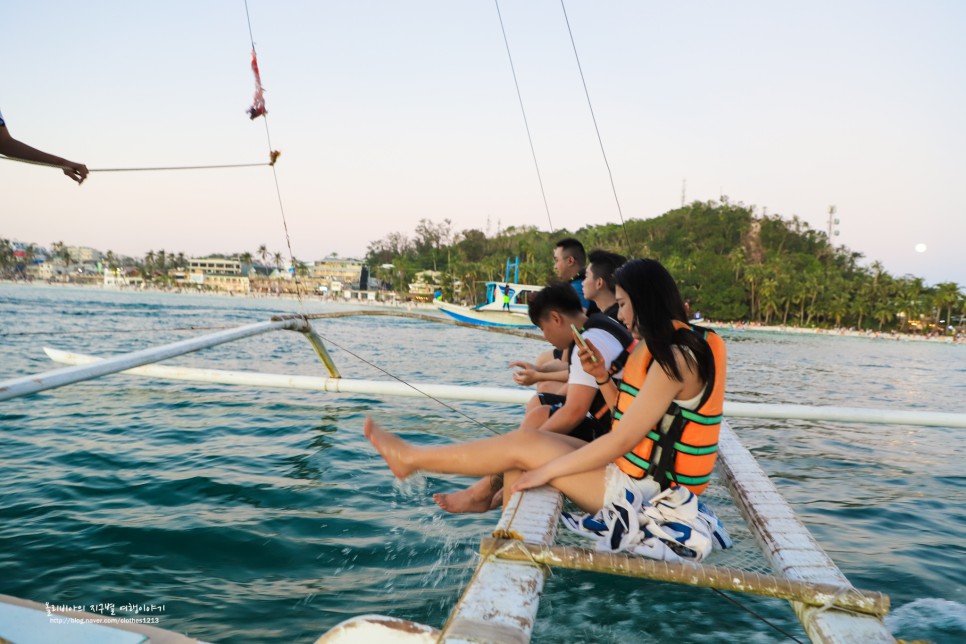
569, 261
15, 149
580, 411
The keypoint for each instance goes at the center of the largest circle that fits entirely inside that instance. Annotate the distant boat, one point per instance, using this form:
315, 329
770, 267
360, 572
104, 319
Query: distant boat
494, 312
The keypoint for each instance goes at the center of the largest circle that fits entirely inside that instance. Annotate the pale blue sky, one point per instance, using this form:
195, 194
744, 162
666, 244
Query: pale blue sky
388, 112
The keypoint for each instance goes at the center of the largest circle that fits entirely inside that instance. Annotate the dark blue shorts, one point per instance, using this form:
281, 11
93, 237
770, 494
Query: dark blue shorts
588, 429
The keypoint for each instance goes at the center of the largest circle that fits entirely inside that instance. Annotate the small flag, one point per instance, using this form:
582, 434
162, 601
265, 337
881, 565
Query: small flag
258, 106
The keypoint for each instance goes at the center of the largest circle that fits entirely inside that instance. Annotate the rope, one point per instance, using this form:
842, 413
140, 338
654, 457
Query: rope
757, 616
526, 124
593, 117
410, 385
278, 191
274, 156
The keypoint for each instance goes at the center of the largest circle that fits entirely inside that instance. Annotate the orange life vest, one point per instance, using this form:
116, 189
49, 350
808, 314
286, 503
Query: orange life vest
686, 452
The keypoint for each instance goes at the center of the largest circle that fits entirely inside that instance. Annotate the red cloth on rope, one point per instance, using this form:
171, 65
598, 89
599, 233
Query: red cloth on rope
258, 106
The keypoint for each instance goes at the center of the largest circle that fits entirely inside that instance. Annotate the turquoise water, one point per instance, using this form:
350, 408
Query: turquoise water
264, 516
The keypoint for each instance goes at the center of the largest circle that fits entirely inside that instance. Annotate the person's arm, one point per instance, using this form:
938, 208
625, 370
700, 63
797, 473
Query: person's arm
11, 147
652, 401
528, 374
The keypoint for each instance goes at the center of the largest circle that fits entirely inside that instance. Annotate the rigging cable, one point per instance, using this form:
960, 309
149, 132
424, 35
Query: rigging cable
610, 174
274, 156
408, 384
278, 191
760, 618
526, 124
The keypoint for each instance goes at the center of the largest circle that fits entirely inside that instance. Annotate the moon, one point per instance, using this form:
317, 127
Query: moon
920, 248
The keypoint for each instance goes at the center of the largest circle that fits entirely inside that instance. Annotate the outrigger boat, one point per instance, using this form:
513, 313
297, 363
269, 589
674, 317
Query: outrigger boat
500, 602
494, 312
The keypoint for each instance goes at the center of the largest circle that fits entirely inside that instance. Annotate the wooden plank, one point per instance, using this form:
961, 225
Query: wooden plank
500, 602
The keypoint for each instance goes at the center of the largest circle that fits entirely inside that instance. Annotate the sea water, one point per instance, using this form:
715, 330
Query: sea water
260, 515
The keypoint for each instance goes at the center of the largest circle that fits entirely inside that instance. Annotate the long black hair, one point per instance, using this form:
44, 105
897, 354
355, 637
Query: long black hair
657, 304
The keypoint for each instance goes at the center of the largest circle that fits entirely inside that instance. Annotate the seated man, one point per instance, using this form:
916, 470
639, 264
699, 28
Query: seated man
582, 413
598, 285
548, 370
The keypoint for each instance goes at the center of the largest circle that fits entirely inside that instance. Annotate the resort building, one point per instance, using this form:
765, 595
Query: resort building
425, 286
218, 273
84, 254
337, 275
214, 265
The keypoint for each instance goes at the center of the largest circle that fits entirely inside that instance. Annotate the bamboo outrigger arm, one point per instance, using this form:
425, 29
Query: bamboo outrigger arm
703, 575
27, 385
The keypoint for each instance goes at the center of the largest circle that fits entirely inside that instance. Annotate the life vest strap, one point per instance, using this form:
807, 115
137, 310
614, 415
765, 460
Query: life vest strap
695, 451
701, 419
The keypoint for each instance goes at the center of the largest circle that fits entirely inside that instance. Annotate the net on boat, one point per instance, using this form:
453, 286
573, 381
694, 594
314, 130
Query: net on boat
744, 555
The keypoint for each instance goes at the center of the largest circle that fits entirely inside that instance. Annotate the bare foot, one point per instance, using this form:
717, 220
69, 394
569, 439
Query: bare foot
476, 498
463, 502
393, 449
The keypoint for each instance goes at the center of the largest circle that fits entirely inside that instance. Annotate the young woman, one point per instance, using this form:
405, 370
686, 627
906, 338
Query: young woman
679, 371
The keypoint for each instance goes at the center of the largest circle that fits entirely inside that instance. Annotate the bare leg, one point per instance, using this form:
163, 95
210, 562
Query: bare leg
479, 496
514, 451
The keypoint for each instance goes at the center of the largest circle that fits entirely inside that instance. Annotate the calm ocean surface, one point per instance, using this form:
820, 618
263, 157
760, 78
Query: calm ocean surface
264, 516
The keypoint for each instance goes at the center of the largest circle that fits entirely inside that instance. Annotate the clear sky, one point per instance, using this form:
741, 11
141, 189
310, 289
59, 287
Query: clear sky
388, 112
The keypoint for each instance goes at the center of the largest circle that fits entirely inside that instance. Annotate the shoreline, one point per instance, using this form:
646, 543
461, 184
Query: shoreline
739, 327
735, 327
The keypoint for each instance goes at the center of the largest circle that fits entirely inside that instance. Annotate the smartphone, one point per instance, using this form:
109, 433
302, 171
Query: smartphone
581, 342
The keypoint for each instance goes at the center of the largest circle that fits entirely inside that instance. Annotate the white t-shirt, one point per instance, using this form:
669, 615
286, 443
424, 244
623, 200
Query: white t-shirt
610, 348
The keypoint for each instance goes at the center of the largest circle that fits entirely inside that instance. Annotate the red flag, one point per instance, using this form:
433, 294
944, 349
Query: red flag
258, 106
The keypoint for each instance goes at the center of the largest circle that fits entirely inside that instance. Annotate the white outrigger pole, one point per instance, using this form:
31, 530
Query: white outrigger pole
502, 394
501, 600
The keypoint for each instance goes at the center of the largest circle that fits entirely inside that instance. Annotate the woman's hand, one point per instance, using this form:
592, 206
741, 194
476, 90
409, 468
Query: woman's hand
529, 480
592, 360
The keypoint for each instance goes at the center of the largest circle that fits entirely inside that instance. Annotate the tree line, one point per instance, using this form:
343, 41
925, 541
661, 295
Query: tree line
732, 264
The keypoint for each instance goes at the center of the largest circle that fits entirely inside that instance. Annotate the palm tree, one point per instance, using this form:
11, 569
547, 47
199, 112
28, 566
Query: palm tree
59, 251
110, 261
262, 253
947, 294
7, 258
246, 258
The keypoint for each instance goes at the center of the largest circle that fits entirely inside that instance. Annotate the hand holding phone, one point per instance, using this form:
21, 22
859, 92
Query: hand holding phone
582, 342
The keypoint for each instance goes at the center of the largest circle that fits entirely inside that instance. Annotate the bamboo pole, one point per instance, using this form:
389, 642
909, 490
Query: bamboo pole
618, 563
26, 385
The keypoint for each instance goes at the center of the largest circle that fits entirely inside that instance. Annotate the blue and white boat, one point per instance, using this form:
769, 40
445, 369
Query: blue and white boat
495, 311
